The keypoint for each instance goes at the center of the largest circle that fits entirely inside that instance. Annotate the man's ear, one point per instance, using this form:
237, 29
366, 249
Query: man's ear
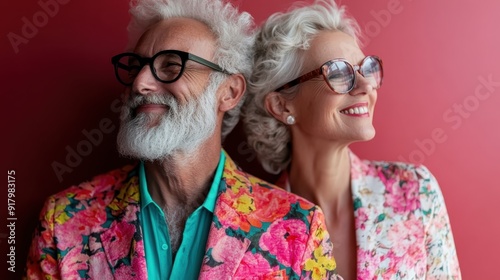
233, 89
278, 106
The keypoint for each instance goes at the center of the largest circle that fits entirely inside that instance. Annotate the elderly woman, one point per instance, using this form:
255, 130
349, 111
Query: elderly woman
313, 93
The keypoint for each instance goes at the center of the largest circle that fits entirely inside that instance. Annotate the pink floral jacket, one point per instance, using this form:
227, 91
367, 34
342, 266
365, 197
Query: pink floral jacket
402, 226
259, 231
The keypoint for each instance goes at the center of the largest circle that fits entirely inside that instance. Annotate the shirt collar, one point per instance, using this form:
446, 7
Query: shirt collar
210, 200
143, 187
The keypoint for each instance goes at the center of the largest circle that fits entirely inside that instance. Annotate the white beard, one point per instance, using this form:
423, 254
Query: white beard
181, 129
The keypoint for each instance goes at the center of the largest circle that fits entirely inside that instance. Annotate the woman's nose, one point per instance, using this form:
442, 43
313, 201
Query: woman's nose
362, 85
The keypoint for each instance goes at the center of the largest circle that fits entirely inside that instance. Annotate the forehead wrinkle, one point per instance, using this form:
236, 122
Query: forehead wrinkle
182, 34
328, 45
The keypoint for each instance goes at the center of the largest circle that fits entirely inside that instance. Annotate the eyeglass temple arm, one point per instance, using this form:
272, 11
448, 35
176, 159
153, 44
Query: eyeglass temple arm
207, 63
301, 79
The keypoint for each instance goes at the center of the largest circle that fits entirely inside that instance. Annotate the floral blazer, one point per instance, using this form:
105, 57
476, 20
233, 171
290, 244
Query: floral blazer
259, 231
402, 226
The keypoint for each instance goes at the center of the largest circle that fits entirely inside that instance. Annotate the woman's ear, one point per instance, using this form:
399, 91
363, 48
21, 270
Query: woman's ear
278, 106
232, 91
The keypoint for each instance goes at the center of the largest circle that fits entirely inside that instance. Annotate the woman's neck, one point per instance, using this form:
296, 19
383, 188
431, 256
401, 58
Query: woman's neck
321, 174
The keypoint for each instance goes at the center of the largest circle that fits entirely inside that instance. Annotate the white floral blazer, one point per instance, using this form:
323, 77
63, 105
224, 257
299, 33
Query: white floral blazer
402, 226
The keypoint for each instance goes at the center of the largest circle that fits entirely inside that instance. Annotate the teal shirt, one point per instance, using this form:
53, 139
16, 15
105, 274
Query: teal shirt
190, 255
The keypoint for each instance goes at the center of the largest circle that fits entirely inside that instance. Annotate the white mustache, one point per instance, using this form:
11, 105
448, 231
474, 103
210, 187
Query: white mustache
159, 99
182, 129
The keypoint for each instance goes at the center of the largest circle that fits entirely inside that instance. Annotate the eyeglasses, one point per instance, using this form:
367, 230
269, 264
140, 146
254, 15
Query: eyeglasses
167, 66
340, 75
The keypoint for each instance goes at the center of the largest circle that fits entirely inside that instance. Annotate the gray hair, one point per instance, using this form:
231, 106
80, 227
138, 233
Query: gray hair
233, 31
279, 55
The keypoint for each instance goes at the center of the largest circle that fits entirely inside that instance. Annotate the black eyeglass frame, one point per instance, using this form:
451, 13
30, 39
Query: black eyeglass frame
185, 56
356, 68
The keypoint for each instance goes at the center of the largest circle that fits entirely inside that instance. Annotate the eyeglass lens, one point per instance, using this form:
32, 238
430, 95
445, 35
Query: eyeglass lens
341, 75
127, 69
166, 67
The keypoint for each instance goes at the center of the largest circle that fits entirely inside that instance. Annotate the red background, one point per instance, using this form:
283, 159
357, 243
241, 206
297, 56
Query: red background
58, 82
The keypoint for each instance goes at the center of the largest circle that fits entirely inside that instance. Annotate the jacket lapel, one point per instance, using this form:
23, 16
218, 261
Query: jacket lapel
122, 241
226, 244
369, 215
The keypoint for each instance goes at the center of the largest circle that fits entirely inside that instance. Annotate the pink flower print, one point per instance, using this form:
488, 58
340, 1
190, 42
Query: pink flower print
269, 205
285, 239
117, 241
99, 267
402, 197
368, 264
73, 261
403, 235
361, 218
228, 216
83, 222
253, 264
361, 168
47, 264
407, 175
406, 250
130, 213
356, 171
111, 178
139, 260
225, 250
84, 191
124, 272
215, 235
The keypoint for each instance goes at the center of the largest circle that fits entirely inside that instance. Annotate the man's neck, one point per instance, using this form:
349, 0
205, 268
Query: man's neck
180, 183
183, 179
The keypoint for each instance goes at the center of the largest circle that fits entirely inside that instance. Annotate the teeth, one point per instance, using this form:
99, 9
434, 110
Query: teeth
356, 111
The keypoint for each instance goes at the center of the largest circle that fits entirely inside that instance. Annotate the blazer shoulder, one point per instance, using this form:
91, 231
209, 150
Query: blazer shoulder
400, 170
102, 183
275, 191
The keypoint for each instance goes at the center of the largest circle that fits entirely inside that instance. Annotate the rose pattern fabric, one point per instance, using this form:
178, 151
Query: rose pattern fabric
402, 225
259, 231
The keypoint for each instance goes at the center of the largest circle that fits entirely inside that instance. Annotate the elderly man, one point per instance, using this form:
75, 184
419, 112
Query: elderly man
185, 211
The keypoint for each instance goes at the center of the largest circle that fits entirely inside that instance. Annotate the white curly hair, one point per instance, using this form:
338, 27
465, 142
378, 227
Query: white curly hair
234, 32
279, 56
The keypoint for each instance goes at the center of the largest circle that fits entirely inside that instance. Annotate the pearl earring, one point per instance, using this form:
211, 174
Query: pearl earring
290, 120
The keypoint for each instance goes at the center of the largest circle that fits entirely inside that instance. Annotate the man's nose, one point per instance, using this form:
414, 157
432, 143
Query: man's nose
145, 82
